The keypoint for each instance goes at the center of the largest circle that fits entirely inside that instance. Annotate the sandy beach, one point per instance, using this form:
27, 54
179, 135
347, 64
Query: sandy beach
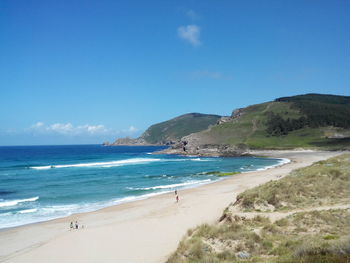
141, 231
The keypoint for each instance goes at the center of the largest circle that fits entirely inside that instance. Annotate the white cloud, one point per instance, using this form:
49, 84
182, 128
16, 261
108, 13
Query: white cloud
64, 128
190, 33
37, 125
68, 129
93, 129
132, 129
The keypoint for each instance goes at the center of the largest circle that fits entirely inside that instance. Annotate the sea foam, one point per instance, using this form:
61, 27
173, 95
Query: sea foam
132, 161
26, 211
169, 186
5, 203
100, 164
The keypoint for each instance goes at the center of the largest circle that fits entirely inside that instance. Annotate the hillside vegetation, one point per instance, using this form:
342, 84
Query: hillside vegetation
307, 121
314, 226
175, 129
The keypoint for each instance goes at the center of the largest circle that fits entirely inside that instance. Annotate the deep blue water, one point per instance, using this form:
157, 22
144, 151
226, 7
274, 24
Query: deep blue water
39, 183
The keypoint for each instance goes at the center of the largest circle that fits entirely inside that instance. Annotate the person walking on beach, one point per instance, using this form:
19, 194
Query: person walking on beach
76, 225
177, 198
71, 225
175, 192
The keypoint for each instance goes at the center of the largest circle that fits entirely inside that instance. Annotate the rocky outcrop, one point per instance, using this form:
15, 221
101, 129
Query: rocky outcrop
200, 144
224, 119
184, 148
237, 113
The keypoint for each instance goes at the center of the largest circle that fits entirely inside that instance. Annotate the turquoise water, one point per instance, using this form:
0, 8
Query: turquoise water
39, 183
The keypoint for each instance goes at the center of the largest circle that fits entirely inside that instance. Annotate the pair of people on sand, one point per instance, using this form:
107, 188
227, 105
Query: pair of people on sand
74, 226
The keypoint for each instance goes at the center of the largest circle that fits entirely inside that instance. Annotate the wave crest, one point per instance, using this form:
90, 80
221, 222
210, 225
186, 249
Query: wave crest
132, 161
100, 164
28, 211
16, 202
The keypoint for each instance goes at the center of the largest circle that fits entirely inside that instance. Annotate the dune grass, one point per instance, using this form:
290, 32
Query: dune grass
302, 237
318, 236
324, 183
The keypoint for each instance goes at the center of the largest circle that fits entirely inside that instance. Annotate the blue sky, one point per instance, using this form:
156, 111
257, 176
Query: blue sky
90, 71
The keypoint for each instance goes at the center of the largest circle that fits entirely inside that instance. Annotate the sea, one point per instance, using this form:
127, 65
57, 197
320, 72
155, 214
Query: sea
39, 183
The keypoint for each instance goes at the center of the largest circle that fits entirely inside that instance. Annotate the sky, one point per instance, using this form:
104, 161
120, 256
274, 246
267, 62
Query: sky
92, 71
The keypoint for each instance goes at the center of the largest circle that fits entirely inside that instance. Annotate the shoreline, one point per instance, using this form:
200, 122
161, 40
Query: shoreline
93, 207
134, 222
116, 202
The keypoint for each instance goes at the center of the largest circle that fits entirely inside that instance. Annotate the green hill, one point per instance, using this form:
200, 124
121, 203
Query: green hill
308, 121
176, 128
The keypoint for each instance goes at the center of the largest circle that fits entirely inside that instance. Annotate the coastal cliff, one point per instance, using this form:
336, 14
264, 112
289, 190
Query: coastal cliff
171, 131
311, 121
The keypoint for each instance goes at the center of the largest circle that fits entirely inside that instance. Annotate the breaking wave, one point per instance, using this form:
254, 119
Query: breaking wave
100, 164
116, 163
5, 203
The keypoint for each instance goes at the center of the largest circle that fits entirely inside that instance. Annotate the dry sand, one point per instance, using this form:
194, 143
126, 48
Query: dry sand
141, 231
